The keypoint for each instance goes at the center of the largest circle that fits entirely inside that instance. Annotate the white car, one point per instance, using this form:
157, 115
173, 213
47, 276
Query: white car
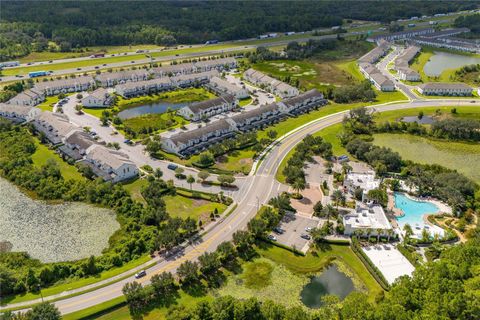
308, 229
140, 274
272, 238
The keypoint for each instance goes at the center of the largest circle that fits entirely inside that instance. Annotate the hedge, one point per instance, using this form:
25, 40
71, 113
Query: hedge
276, 244
409, 255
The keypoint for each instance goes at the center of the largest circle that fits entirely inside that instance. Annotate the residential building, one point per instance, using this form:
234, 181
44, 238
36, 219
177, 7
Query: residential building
29, 97
270, 84
113, 166
365, 181
374, 55
99, 98
18, 113
402, 64
75, 144
110, 79
445, 89
187, 80
401, 35
174, 70
215, 64
194, 141
54, 87
303, 102
222, 86
55, 126
446, 33
132, 89
257, 118
381, 82
205, 109
464, 45
368, 219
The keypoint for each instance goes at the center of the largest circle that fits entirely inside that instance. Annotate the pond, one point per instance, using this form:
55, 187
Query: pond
441, 61
53, 233
156, 107
331, 281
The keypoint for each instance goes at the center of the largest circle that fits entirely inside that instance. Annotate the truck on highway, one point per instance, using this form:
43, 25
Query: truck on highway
7, 64
97, 55
35, 74
211, 42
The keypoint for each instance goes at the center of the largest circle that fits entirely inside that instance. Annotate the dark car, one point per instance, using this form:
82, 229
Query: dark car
172, 166
140, 274
305, 236
278, 230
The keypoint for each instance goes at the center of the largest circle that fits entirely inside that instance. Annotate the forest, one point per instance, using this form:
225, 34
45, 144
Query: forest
30, 26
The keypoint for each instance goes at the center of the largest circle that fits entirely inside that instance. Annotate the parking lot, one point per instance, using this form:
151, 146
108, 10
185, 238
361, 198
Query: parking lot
293, 227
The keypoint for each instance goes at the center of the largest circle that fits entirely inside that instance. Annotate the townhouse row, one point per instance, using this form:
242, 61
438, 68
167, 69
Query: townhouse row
367, 67
72, 142
402, 64
191, 142
445, 89
274, 86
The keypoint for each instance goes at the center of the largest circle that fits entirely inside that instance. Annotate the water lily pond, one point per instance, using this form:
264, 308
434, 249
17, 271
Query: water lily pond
53, 233
331, 281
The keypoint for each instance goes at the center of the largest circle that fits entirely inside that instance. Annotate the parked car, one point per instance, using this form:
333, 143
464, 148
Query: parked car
308, 229
272, 238
140, 274
278, 230
172, 166
305, 236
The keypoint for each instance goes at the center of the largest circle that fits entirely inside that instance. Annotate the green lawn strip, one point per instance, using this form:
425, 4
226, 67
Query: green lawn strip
47, 105
43, 154
154, 120
183, 207
236, 161
135, 187
96, 112
245, 102
98, 310
81, 283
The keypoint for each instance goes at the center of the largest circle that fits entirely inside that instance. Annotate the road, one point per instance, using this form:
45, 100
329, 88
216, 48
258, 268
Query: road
256, 190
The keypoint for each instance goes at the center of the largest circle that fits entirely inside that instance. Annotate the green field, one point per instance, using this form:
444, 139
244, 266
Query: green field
236, 161
47, 105
464, 157
197, 209
43, 154
152, 120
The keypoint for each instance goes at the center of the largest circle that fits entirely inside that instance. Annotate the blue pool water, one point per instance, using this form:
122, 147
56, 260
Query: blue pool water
413, 210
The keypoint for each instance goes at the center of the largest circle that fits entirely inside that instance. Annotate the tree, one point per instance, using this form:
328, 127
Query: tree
298, 185
257, 227
272, 134
44, 311
190, 180
379, 196
338, 197
243, 241
158, 173
188, 272
226, 252
225, 179
203, 175
408, 232
135, 295
317, 209
79, 96
209, 263
31, 281
163, 285
79, 108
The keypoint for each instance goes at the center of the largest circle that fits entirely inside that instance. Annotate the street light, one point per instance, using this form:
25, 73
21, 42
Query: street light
40, 291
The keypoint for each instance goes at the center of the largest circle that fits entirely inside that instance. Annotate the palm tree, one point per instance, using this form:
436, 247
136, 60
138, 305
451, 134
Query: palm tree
337, 197
298, 185
327, 211
379, 230
408, 232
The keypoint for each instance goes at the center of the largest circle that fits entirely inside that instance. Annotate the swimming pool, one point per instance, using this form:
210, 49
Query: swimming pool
413, 211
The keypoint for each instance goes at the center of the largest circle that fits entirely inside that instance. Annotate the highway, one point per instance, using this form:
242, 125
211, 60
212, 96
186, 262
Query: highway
256, 190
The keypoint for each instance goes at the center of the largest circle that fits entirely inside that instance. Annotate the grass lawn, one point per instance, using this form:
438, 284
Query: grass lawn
43, 154
135, 187
236, 161
96, 112
245, 102
183, 207
159, 121
78, 283
462, 156
47, 105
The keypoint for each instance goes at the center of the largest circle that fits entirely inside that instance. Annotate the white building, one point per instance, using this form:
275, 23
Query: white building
402, 64
18, 113
270, 84
224, 87
75, 144
55, 126
132, 89
82, 83
367, 220
194, 141
381, 82
30, 97
445, 89
363, 180
303, 102
215, 64
111, 165
374, 55
205, 109
256, 118
99, 98
110, 79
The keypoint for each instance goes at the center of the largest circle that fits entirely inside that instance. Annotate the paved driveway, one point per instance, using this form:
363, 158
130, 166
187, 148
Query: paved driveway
294, 226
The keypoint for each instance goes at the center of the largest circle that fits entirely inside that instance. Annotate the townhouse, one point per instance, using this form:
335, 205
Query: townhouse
194, 141
110, 165
55, 126
187, 80
374, 75
374, 55
29, 97
75, 144
215, 64
110, 79
446, 33
270, 84
18, 113
81, 83
445, 89
222, 86
99, 98
401, 35
206, 109
463, 45
132, 89
257, 118
402, 64
303, 102
174, 70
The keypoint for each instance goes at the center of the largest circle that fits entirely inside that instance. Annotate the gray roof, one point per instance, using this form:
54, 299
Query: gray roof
207, 104
314, 93
445, 85
255, 112
184, 137
214, 62
100, 93
58, 121
19, 110
62, 83
122, 75
221, 83
81, 139
381, 79
113, 159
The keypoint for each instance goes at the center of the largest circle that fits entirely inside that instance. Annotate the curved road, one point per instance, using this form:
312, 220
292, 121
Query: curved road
256, 190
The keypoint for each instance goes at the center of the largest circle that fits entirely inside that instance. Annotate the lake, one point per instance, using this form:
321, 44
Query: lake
330, 281
53, 233
156, 107
441, 61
